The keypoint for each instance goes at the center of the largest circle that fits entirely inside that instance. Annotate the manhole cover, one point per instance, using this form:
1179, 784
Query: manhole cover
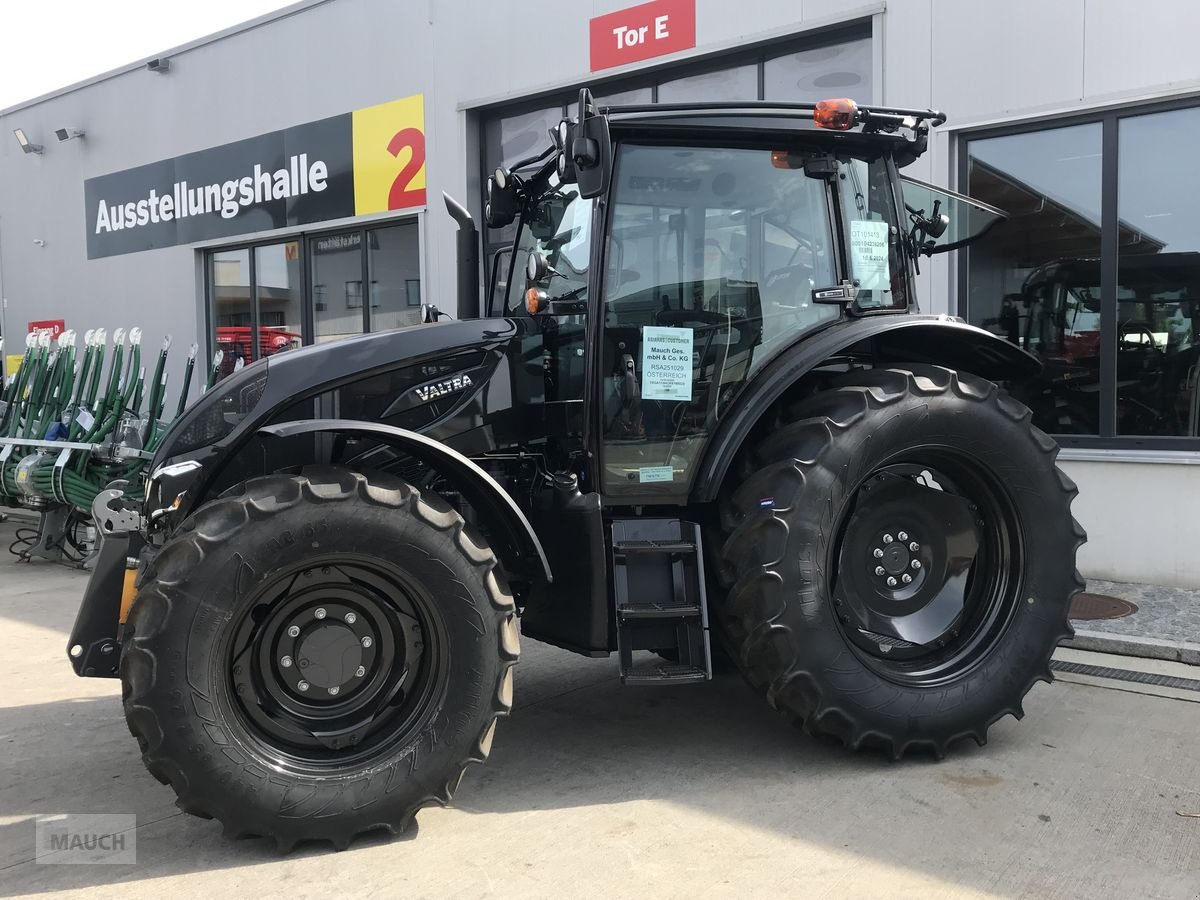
1100, 606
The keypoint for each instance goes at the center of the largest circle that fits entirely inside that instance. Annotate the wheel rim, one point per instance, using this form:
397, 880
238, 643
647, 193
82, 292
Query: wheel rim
929, 563
335, 661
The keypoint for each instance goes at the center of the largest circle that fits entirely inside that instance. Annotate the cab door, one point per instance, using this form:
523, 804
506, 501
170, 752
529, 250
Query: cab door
712, 258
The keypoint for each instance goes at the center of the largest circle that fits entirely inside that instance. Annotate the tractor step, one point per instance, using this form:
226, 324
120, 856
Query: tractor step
658, 589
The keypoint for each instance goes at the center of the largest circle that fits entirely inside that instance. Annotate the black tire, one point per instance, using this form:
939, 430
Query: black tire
198, 732
786, 612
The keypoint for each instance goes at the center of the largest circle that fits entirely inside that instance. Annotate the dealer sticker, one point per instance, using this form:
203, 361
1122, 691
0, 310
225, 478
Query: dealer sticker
666, 363
869, 254
652, 474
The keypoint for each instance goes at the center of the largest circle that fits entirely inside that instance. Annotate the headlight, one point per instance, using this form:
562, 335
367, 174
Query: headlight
215, 415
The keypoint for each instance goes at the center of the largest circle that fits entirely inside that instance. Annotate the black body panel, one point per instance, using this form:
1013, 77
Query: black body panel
385, 377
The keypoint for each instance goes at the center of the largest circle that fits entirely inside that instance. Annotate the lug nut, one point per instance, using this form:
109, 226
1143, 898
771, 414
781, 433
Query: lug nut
320, 613
880, 571
878, 553
887, 538
294, 631
334, 690
286, 662
914, 546
351, 618
891, 582
366, 641
906, 578
302, 685
902, 536
360, 671
916, 564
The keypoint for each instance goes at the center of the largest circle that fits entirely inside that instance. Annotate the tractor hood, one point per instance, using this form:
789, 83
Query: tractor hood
270, 390
318, 367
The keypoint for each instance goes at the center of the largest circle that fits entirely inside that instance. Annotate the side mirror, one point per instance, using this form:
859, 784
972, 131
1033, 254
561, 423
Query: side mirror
935, 226
503, 199
591, 148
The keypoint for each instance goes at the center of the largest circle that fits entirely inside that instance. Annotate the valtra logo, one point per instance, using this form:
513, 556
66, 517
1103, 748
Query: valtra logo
427, 392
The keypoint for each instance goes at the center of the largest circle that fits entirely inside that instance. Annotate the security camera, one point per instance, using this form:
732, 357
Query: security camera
161, 65
66, 134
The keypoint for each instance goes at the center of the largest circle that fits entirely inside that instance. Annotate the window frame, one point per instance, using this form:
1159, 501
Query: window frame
1109, 119
308, 297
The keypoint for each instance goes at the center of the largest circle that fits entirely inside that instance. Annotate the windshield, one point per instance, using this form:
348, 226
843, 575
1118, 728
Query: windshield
558, 226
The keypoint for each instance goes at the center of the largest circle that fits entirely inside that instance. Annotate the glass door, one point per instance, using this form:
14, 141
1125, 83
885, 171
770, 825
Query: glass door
394, 276
336, 265
278, 293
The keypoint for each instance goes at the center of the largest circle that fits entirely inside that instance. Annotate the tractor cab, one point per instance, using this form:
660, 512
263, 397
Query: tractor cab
665, 256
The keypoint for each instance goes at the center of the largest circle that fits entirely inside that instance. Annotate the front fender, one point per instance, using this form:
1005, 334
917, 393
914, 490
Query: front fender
934, 340
519, 548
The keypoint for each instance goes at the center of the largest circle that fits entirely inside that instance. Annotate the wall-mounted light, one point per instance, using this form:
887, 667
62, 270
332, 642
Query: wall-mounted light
67, 134
161, 65
27, 146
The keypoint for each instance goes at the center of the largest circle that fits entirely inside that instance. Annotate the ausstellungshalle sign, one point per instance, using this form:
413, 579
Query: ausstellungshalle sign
366, 161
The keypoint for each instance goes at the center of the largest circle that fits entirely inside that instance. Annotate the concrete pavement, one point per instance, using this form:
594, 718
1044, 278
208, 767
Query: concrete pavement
597, 789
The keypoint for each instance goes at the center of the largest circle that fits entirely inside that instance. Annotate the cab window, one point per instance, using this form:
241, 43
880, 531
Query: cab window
558, 227
713, 257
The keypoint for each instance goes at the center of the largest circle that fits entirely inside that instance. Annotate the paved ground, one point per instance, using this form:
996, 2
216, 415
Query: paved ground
1165, 626
598, 789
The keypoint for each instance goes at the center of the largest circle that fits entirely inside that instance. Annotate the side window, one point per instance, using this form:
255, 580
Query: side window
558, 226
713, 257
873, 236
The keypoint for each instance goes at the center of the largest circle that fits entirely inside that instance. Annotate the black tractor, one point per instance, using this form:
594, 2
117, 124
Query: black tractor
702, 418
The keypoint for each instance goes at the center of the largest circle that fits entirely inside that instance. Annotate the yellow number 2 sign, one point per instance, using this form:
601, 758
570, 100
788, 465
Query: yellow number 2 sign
389, 156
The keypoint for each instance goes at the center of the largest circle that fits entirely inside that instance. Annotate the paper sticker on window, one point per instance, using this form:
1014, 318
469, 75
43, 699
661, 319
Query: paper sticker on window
869, 254
651, 474
666, 363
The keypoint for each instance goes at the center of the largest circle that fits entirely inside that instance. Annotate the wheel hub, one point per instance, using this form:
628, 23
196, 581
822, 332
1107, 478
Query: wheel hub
327, 656
895, 559
905, 559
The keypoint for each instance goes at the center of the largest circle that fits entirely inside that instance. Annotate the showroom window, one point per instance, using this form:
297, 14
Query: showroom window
832, 64
1096, 272
271, 297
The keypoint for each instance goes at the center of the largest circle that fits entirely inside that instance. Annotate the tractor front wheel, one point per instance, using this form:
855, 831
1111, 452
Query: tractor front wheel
315, 656
900, 560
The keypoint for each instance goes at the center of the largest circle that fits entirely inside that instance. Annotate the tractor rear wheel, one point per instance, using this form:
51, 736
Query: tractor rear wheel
900, 560
315, 656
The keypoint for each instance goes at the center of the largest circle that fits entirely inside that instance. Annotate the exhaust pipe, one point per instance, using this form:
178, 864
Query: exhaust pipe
468, 259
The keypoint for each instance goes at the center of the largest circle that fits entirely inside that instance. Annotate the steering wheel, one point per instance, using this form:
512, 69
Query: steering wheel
682, 317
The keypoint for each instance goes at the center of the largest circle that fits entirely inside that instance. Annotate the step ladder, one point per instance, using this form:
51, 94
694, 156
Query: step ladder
658, 589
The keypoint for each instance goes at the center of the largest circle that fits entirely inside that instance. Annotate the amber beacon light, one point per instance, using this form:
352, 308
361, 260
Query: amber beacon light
836, 114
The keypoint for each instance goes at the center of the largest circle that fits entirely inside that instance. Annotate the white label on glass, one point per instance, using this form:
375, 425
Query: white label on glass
869, 255
651, 474
666, 363
86, 419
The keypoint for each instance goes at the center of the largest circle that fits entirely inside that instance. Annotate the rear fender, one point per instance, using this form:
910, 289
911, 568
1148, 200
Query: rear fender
884, 340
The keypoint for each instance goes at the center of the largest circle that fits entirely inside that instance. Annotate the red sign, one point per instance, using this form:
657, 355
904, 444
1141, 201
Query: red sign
642, 32
54, 327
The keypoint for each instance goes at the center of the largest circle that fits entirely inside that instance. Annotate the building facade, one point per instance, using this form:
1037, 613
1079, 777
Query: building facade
279, 183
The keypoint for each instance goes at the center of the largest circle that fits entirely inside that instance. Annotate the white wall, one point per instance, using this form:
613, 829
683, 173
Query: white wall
1141, 521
